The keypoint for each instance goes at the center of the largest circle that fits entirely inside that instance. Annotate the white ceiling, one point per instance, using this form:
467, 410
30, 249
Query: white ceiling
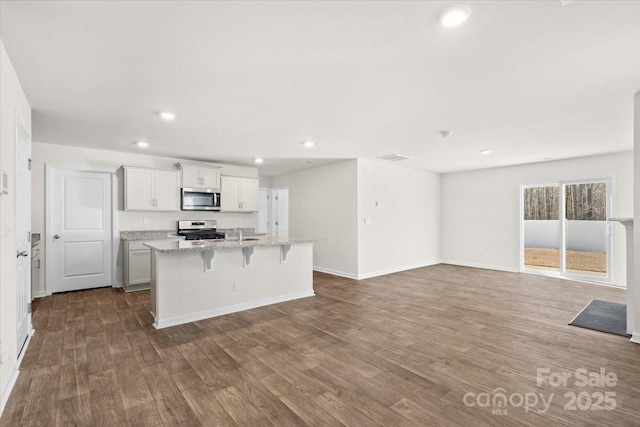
526, 79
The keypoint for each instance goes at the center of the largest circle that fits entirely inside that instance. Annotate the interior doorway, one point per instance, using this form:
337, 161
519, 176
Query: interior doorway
273, 211
280, 212
565, 229
23, 236
79, 229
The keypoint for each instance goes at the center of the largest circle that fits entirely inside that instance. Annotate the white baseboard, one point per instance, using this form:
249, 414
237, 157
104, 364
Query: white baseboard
40, 294
483, 266
635, 337
14, 374
336, 273
396, 270
201, 315
9, 387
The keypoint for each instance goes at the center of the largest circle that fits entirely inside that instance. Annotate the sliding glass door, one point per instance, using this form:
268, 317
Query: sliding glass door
565, 230
541, 227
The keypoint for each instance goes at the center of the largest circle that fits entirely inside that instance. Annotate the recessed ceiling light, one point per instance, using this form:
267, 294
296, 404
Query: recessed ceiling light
142, 144
485, 152
445, 133
309, 144
168, 115
258, 160
454, 15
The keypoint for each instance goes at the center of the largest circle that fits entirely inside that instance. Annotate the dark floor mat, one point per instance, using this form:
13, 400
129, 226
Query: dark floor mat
603, 316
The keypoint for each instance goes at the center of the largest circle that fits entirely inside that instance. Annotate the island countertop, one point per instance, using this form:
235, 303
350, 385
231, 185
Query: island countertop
208, 245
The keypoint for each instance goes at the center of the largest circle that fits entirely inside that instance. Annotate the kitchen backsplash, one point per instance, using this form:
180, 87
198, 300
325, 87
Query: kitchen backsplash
127, 220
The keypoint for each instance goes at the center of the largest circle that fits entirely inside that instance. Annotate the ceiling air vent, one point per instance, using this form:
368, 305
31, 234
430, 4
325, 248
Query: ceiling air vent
394, 157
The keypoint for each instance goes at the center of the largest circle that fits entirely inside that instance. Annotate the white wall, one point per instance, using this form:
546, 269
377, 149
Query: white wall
404, 229
13, 105
480, 209
63, 156
266, 182
323, 205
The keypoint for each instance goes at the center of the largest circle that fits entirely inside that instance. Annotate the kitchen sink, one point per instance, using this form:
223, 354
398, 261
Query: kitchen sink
244, 239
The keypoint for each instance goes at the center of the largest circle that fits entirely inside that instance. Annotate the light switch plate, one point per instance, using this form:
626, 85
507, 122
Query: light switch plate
4, 182
368, 220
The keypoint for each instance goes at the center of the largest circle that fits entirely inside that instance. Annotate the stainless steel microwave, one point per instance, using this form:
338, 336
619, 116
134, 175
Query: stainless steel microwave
200, 199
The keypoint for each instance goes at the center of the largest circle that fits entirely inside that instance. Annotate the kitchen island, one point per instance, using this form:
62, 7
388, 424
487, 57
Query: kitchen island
195, 280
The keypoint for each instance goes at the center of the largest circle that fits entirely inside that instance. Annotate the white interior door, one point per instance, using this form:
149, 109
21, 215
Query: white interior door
23, 234
280, 212
263, 211
79, 238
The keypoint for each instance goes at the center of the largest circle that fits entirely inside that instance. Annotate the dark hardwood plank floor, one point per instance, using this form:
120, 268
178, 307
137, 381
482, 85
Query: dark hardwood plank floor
402, 349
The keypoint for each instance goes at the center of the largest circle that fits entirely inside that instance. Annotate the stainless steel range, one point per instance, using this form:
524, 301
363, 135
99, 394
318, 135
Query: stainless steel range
199, 230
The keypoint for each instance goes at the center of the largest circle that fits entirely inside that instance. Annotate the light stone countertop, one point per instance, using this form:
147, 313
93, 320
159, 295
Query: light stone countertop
172, 234
208, 245
148, 235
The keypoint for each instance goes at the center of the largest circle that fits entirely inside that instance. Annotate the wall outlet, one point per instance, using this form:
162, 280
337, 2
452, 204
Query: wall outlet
378, 204
368, 220
145, 221
236, 286
317, 255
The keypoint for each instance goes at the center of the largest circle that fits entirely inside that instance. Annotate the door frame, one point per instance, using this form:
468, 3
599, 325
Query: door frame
49, 226
268, 190
21, 349
611, 213
272, 227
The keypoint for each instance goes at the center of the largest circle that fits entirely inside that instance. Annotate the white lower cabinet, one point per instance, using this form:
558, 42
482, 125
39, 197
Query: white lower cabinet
136, 264
139, 267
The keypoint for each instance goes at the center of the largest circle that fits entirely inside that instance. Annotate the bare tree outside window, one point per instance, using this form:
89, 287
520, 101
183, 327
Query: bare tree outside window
584, 202
541, 203
587, 202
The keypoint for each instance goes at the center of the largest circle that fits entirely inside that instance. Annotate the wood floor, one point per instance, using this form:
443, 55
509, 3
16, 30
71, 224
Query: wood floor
402, 349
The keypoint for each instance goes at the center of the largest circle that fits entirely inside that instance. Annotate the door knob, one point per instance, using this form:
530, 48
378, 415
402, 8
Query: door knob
23, 253
57, 236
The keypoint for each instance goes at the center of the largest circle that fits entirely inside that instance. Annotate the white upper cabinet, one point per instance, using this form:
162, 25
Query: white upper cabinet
167, 190
190, 176
138, 189
239, 194
249, 194
230, 194
151, 189
200, 177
